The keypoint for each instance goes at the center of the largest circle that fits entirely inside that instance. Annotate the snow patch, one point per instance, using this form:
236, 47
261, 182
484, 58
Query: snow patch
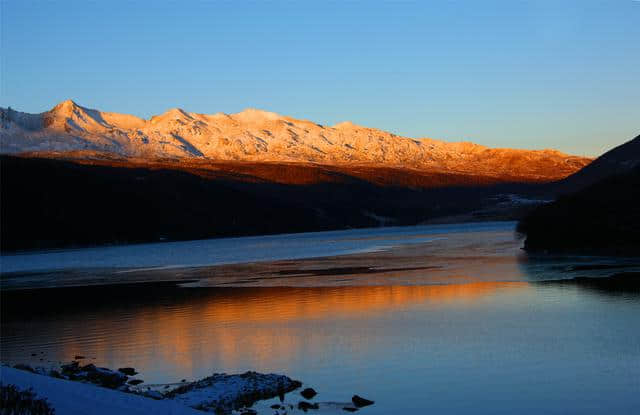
222, 393
75, 398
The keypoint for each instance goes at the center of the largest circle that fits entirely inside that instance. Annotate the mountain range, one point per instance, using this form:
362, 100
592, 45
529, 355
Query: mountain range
71, 131
74, 176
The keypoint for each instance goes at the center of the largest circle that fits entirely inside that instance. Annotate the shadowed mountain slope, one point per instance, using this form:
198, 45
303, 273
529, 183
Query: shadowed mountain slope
597, 211
621, 159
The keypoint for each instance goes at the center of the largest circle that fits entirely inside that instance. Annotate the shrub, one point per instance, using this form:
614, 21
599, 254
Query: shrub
16, 402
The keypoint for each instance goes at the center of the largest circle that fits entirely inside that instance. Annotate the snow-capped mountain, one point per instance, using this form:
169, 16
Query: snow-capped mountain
260, 136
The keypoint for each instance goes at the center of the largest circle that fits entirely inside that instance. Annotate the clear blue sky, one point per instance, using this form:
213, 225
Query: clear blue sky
537, 74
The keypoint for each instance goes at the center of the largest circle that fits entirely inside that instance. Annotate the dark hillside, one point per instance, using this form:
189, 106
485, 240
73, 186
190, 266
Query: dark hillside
603, 218
50, 203
619, 160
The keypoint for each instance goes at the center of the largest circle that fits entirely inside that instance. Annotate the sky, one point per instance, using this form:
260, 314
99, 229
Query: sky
536, 74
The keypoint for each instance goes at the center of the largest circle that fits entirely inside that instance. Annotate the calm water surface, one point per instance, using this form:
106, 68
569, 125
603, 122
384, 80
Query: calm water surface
471, 329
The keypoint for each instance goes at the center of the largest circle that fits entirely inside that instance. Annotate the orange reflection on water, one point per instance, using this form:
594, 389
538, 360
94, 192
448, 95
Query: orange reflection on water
256, 327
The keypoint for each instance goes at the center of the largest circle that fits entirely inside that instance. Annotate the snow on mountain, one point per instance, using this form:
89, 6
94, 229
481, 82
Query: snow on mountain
261, 136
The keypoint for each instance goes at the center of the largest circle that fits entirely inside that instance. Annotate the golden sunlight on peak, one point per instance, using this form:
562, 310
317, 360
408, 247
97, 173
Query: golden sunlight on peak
345, 124
65, 106
253, 114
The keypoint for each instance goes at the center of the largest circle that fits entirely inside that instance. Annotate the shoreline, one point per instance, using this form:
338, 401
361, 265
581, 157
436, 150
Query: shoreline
466, 219
78, 389
391, 233
419, 263
362, 247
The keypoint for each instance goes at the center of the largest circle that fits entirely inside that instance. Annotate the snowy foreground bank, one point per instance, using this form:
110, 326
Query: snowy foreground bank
75, 398
76, 391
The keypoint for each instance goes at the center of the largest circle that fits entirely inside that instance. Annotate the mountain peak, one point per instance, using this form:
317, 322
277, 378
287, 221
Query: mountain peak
254, 114
171, 114
65, 107
68, 102
177, 112
345, 124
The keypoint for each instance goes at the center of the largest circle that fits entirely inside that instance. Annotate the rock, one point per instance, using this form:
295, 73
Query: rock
248, 412
222, 393
359, 401
129, 371
276, 406
101, 376
183, 380
78, 357
72, 367
305, 406
88, 370
135, 382
308, 393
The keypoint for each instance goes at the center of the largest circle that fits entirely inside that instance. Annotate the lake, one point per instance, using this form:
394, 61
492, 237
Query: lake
428, 319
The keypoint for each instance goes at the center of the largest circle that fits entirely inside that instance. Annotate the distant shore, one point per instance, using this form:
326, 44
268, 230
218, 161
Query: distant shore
414, 259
